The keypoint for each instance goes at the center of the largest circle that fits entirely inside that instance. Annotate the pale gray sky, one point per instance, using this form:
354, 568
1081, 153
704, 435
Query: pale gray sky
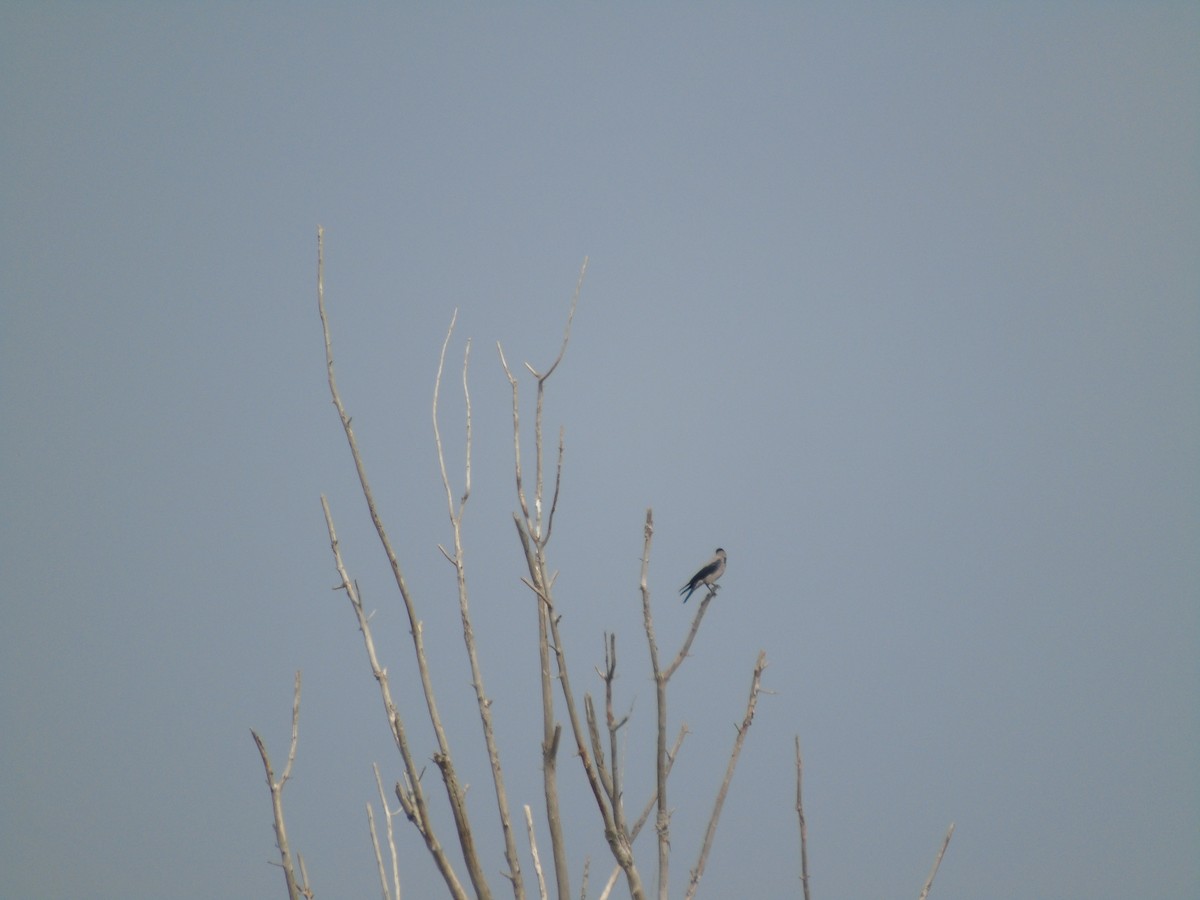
899, 304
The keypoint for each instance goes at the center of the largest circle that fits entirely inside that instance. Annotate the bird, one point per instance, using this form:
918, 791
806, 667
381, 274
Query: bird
708, 574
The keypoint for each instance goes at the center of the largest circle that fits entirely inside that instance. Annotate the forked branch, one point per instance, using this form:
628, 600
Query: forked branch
297, 887
534, 522
392, 891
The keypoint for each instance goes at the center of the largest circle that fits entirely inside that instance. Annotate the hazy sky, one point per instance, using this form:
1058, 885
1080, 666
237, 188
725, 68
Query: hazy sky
898, 303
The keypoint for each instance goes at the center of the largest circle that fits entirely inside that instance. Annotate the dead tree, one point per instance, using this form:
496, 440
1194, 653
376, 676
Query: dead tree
455, 854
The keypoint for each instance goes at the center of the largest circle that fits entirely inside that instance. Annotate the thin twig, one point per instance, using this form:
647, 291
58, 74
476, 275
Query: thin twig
589, 711
936, 863
803, 825
387, 894
305, 889
516, 417
391, 837
567, 330
614, 726
437, 435
287, 770
533, 849
296, 888
557, 484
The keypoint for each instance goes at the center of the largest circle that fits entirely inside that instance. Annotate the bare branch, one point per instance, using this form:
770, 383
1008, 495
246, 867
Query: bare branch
551, 729
646, 810
454, 790
755, 689
378, 853
557, 485
663, 821
691, 635
803, 824
412, 798
534, 524
407, 803
516, 416
389, 814
936, 863
458, 560
661, 678
305, 890
606, 777
567, 330
614, 726
467, 401
437, 435
287, 770
296, 888
537, 860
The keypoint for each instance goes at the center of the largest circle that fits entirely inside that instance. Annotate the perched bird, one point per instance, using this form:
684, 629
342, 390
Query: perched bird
708, 574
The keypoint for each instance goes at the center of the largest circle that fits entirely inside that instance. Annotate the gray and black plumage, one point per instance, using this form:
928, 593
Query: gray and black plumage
708, 574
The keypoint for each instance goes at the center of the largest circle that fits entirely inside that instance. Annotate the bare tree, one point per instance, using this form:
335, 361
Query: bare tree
603, 772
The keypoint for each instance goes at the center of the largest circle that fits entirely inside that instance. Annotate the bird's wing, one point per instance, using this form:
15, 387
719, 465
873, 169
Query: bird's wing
706, 571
